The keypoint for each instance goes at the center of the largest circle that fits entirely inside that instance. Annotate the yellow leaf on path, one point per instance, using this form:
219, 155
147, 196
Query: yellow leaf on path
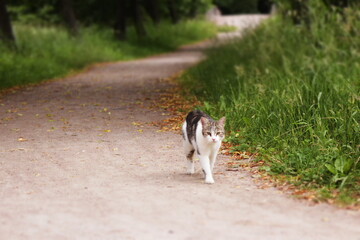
107, 130
136, 123
21, 139
140, 130
51, 129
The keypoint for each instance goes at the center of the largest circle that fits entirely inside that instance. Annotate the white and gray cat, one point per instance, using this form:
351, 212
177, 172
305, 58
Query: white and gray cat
202, 135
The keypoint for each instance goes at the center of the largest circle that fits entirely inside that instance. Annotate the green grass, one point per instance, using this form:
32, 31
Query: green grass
292, 94
49, 52
226, 28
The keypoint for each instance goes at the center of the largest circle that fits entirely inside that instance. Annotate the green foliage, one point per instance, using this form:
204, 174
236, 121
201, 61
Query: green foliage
100, 12
166, 36
292, 94
226, 28
48, 52
340, 168
43, 15
193, 7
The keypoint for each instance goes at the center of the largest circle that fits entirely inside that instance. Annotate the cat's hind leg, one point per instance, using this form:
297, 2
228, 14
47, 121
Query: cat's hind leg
190, 160
189, 152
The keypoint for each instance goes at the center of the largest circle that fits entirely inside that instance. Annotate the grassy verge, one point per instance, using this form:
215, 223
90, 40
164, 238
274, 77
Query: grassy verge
291, 93
48, 52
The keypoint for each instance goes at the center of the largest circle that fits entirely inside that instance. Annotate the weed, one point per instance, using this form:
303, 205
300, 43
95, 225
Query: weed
292, 94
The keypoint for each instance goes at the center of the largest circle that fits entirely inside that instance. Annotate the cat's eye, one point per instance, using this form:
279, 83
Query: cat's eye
218, 133
208, 133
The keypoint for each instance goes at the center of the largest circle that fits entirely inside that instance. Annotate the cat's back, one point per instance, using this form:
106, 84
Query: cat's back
191, 124
194, 117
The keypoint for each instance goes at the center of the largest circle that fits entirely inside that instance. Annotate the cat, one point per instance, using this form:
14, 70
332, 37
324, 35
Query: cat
202, 135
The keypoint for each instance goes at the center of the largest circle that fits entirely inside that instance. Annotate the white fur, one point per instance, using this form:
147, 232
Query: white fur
207, 146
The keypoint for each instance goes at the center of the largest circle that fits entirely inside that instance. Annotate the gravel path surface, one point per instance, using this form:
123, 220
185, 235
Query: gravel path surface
78, 161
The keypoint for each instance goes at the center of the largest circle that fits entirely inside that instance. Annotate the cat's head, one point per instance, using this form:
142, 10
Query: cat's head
213, 131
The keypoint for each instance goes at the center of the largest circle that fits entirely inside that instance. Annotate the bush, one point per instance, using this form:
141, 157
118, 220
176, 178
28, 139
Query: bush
293, 92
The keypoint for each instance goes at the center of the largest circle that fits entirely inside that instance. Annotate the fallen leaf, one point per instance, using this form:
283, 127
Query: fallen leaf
51, 129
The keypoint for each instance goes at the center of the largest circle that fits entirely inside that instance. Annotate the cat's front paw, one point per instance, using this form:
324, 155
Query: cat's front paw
190, 172
209, 181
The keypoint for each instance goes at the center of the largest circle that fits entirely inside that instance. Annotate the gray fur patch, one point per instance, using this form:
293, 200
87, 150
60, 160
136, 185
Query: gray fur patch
190, 155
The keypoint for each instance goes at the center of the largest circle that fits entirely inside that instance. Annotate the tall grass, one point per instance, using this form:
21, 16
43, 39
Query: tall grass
293, 93
48, 52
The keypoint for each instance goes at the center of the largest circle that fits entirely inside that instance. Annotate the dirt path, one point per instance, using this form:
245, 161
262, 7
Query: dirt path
77, 161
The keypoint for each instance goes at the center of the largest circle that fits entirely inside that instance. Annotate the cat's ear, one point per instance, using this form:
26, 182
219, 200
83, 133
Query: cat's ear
222, 121
204, 121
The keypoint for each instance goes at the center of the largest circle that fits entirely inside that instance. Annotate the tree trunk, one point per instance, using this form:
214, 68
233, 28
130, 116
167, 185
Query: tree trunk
6, 32
173, 11
120, 25
137, 17
69, 17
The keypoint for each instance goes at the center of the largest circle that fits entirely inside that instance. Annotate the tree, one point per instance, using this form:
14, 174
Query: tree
120, 24
237, 6
193, 8
69, 17
152, 8
264, 6
300, 10
137, 16
338, 3
6, 32
173, 11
